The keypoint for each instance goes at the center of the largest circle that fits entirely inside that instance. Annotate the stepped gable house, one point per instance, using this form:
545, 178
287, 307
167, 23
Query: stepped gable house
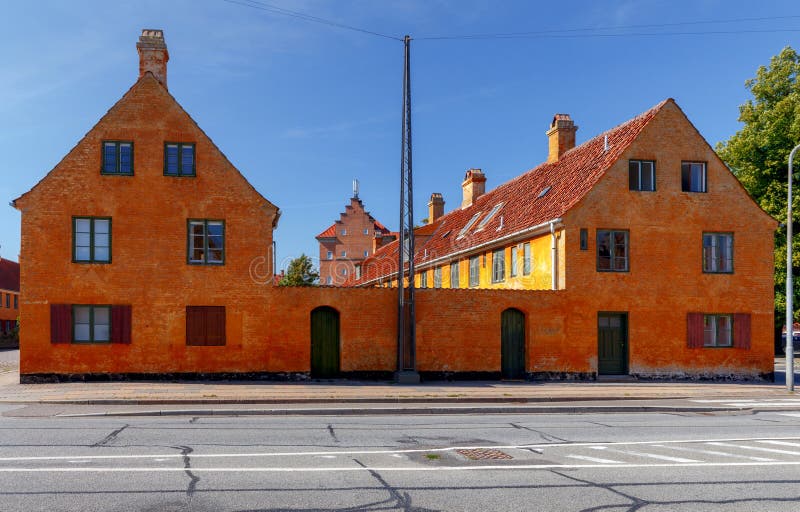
145, 253
346, 243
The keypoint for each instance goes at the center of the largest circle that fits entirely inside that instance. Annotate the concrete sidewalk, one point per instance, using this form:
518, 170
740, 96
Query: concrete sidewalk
333, 392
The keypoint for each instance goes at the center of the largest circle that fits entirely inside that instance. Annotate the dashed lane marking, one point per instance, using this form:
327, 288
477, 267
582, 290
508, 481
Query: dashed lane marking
594, 459
755, 448
648, 455
714, 452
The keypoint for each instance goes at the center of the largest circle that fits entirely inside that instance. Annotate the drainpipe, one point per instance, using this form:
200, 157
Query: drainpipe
554, 256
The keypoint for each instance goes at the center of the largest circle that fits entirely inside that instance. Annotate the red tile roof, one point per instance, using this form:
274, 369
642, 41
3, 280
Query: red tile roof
9, 275
330, 232
540, 195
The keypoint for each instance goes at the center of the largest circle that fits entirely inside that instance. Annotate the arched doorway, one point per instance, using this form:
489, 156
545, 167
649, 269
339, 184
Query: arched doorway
512, 344
324, 342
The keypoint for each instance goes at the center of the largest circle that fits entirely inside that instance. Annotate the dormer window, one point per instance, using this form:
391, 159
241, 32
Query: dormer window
117, 158
179, 159
489, 217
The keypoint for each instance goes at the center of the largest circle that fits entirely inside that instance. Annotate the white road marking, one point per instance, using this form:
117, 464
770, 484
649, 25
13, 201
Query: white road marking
326, 456
756, 448
594, 459
780, 443
792, 414
651, 455
594, 445
714, 452
725, 400
390, 469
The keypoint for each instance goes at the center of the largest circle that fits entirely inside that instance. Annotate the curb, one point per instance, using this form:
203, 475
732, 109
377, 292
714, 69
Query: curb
377, 411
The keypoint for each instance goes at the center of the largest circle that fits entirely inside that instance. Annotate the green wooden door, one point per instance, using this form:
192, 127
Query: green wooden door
512, 344
324, 342
612, 343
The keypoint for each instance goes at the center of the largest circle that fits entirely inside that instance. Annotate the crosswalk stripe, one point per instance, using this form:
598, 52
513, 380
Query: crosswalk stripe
756, 448
650, 455
714, 452
594, 459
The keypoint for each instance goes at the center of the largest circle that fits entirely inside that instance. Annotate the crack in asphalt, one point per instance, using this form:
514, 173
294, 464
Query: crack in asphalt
187, 464
547, 437
332, 433
402, 501
636, 503
110, 438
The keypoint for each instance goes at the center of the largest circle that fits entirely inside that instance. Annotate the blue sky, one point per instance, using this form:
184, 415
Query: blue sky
304, 108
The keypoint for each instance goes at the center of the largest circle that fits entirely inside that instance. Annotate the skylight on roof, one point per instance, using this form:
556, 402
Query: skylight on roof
444, 235
469, 225
488, 218
544, 191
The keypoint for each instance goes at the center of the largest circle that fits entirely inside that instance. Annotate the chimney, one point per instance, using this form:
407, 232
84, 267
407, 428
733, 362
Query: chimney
153, 54
435, 207
561, 136
474, 186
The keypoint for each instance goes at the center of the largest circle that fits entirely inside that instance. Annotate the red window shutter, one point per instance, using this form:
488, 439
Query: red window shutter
121, 324
741, 330
195, 325
694, 330
60, 323
215, 325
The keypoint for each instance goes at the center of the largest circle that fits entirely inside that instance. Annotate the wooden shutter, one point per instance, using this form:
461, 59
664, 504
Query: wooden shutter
215, 325
195, 325
741, 330
694, 330
60, 323
121, 324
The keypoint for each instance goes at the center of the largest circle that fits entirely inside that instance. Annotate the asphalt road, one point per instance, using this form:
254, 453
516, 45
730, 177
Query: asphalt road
590, 462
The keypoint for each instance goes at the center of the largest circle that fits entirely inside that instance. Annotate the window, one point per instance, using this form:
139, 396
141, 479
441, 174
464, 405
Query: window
358, 271
91, 239
468, 225
366, 231
366, 254
642, 175
717, 330
328, 280
330, 255
91, 324
117, 158
514, 261
16, 301
693, 177
718, 252
584, 239
206, 242
423, 279
488, 217
344, 232
437, 277
498, 266
205, 325
343, 271
8, 300
179, 159
526, 258
474, 271
454, 275
344, 254
612, 251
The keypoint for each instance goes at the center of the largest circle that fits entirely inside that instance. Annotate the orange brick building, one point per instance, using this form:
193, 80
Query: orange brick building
9, 296
146, 253
349, 241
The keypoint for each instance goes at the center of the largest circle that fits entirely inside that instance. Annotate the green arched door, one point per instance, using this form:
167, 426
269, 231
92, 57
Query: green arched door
512, 341
324, 342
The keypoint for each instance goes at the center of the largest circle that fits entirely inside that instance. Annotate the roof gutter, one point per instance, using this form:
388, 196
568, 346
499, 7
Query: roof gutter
545, 227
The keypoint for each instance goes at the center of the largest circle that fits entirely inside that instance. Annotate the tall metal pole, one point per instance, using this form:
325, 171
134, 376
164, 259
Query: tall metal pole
789, 285
406, 324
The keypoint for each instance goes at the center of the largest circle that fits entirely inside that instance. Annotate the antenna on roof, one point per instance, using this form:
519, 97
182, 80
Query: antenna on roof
605, 143
355, 189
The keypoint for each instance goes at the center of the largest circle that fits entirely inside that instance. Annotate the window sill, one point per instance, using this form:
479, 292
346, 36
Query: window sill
103, 173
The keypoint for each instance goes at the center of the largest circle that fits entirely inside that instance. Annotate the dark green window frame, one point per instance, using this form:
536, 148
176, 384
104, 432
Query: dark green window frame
718, 253
613, 252
92, 242
180, 169
191, 238
113, 165
92, 324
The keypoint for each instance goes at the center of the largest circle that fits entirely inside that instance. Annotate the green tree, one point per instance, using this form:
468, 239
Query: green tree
301, 272
758, 155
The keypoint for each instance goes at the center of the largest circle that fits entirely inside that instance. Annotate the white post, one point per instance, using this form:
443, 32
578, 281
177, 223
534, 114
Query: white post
789, 287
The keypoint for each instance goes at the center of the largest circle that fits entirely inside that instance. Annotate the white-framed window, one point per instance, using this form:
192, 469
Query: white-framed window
366, 231
366, 253
718, 253
526, 258
468, 225
474, 271
344, 231
489, 216
693, 177
514, 261
437, 277
423, 279
343, 271
329, 280
344, 254
454, 275
498, 266
717, 330
330, 255
642, 175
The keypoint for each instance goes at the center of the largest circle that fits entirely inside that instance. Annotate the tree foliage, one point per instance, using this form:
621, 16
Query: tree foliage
758, 154
301, 272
